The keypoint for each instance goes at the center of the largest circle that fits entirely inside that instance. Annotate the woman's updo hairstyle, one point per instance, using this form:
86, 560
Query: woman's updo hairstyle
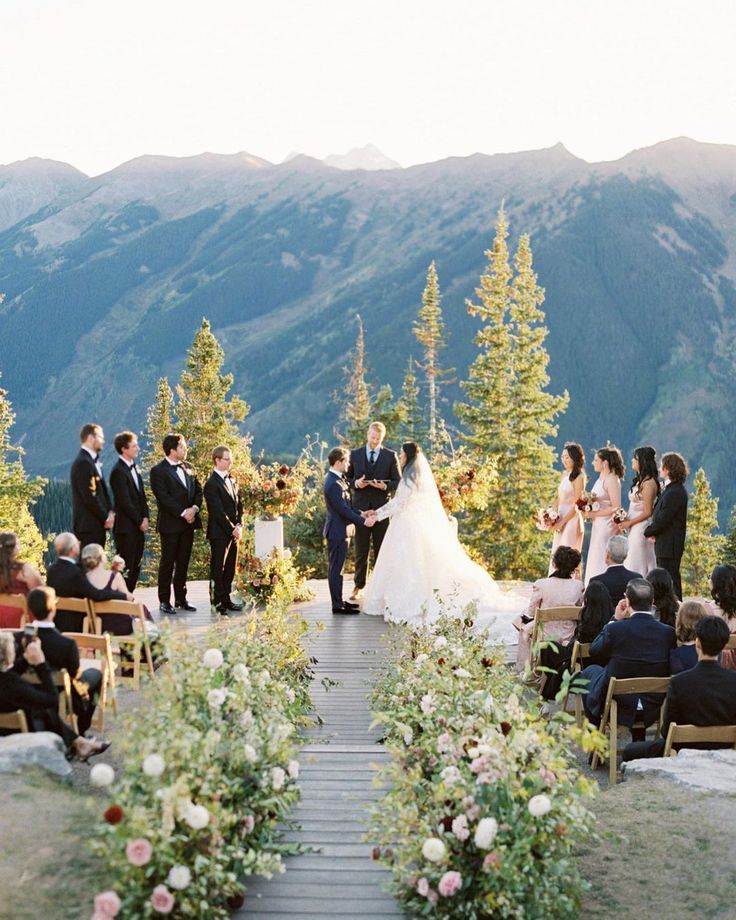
612, 456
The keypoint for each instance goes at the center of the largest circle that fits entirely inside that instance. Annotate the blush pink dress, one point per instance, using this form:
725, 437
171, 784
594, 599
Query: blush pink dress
603, 530
641, 556
572, 533
546, 593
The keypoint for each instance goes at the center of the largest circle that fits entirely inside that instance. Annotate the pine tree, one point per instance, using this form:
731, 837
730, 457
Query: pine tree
160, 422
429, 331
729, 549
703, 549
509, 415
17, 491
412, 427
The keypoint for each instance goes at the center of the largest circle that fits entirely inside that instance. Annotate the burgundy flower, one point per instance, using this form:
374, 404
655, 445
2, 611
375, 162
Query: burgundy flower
376, 853
113, 815
284, 469
487, 662
471, 474
446, 823
440, 661
506, 727
235, 901
280, 484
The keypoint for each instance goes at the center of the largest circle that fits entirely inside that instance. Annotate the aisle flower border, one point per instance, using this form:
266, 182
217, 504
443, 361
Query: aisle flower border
210, 772
485, 801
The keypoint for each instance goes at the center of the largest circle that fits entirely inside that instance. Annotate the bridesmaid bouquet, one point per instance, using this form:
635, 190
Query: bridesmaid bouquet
619, 515
588, 502
546, 518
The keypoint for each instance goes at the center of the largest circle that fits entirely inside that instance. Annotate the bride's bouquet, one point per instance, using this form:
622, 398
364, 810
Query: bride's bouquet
546, 518
620, 515
588, 502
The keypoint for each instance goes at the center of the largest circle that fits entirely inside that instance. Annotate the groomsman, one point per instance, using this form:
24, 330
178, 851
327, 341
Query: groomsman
179, 497
224, 528
92, 514
669, 518
373, 474
131, 507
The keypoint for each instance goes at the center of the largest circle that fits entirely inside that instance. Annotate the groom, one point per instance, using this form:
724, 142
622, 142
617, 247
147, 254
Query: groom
340, 520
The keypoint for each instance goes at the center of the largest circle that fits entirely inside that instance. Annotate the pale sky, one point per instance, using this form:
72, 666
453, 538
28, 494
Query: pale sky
97, 82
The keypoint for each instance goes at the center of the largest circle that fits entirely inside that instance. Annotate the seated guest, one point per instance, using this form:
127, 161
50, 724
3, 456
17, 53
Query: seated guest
62, 652
596, 612
685, 655
67, 578
633, 644
102, 578
40, 704
559, 589
16, 577
704, 695
665, 603
723, 592
616, 576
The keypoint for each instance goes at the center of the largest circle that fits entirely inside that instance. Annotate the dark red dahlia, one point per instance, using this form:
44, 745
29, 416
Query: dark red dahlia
114, 814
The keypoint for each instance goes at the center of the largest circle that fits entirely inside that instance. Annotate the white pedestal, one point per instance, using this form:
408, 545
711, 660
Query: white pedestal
269, 536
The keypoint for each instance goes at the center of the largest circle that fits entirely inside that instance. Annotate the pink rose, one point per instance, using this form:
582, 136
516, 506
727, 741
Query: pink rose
450, 883
162, 900
139, 852
460, 827
491, 861
432, 897
107, 904
479, 765
473, 812
547, 775
423, 887
249, 822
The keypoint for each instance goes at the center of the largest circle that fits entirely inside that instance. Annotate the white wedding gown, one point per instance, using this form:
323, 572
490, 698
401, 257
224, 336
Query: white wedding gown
422, 563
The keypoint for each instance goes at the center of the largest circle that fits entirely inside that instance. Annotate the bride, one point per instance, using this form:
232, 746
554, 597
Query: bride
422, 563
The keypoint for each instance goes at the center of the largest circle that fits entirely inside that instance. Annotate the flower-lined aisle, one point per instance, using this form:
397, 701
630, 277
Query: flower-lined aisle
486, 801
209, 772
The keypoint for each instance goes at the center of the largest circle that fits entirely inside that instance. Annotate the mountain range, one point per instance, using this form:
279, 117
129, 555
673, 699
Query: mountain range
107, 279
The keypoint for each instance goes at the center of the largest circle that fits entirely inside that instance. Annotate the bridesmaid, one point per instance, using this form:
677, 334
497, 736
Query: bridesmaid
643, 494
609, 465
569, 529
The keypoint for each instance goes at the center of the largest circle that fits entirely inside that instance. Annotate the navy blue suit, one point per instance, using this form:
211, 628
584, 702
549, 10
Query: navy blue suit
339, 517
615, 579
637, 647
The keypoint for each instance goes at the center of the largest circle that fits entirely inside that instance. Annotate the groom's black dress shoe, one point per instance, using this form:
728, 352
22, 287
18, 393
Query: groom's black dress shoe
351, 606
185, 606
233, 606
344, 609
166, 608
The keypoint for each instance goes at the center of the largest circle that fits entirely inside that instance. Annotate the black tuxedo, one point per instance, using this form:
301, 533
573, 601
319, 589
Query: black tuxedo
615, 578
385, 466
668, 526
224, 513
131, 507
339, 518
68, 580
40, 704
704, 695
177, 536
90, 500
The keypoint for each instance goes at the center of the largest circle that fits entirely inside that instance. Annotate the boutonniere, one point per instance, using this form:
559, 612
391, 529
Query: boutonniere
93, 484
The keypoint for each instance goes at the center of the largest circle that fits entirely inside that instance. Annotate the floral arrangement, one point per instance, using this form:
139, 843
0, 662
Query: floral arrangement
588, 502
275, 576
546, 519
462, 484
486, 801
209, 773
620, 515
272, 489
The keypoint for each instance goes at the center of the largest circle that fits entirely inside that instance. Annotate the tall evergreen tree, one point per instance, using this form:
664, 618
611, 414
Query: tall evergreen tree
17, 491
703, 548
729, 550
160, 422
429, 329
412, 427
509, 415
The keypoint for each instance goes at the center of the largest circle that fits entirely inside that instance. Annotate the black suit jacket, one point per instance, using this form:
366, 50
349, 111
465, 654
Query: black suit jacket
173, 498
90, 498
68, 580
16, 693
637, 647
339, 513
131, 505
704, 695
224, 512
669, 522
385, 467
615, 578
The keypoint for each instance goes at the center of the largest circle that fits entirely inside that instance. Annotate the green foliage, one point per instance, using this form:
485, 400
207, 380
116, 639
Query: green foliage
413, 426
275, 576
303, 528
729, 549
17, 491
509, 415
429, 329
703, 548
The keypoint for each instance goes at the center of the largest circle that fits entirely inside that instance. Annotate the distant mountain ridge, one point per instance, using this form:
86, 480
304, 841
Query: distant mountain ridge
106, 279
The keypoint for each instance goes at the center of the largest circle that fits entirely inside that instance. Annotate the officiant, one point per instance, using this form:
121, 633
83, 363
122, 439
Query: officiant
373, 476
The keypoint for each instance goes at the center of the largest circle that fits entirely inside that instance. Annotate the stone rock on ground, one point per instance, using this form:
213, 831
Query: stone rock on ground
20, 751
708, 771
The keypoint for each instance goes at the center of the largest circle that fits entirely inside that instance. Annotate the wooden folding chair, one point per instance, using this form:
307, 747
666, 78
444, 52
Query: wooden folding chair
72, 615
19, 603
549, 615
731, 644
687, 734
96, 652
14, 721
618, 687
133, 642
63, 683
580, 651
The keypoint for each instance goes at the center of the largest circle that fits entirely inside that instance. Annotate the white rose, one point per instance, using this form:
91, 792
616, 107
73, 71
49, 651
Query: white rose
240, 672
246, 718
250, 753
473, 752
278, 775
154, 765
102, 774
539, 805
179, 877
440, 642
421, 658
485, 833
294, 769
216, 697
450, 776
461, 672
427, 704
212, 658
197, 817
433, 849
408, 736
290, 695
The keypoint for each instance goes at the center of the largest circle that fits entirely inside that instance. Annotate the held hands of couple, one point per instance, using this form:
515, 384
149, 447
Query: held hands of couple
369, 518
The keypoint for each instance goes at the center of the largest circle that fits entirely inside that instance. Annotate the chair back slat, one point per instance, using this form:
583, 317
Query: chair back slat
621, 686
72, 614
13, 619
731, 644
557, 614
698, 734
14, 721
